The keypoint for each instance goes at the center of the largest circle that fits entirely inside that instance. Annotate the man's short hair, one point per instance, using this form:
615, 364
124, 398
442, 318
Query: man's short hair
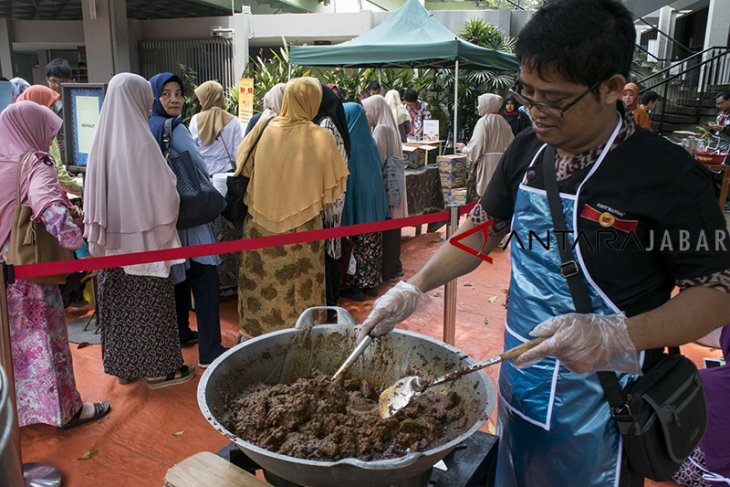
410, 95
584, 41
373, 85
724, 94
59, 68
649, 97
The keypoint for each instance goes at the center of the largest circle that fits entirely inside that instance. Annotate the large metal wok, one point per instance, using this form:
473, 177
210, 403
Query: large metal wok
286, 355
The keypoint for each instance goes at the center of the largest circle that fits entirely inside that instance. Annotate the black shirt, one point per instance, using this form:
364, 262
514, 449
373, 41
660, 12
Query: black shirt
650, 186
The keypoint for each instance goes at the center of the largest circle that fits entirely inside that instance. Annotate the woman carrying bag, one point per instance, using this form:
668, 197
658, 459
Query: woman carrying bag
44, 378
198, 273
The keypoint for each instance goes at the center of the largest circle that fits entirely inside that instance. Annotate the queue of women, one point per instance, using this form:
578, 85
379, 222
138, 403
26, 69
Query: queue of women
313, 161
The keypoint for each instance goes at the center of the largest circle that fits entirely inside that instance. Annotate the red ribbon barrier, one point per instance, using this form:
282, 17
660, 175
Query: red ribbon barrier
94, 263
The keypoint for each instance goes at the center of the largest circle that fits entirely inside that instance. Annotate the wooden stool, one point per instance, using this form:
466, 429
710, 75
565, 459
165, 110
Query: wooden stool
205, 469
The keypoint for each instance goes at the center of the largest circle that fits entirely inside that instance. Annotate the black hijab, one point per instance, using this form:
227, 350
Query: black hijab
331, 106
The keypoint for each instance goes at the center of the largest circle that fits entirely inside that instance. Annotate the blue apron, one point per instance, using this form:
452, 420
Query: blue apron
555, 426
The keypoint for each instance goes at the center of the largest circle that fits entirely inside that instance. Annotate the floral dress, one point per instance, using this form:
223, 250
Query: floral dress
44, 378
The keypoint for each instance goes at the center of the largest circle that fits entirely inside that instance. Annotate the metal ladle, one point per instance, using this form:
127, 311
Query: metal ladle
400, 394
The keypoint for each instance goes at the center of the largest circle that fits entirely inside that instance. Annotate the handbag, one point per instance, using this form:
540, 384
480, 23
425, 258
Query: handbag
236, 186
200, 202
661, 416
30, 242
394, 176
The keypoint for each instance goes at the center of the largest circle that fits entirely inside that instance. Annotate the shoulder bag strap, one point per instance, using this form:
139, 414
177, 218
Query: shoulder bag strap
258, 137
166, 137
230, 159
23, 160
570, 269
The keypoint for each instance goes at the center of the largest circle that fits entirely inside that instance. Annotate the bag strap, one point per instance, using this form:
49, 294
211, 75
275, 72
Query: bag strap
230, 159
570, 269
23, 160
166, 137
258, 137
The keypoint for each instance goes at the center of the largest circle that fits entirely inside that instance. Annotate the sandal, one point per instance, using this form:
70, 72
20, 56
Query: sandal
180, 376
101, 409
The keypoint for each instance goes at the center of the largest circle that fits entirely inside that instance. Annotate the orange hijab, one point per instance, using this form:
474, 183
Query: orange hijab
41, 95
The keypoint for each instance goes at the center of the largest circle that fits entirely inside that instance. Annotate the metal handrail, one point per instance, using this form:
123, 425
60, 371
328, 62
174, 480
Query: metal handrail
671, 39
680, 61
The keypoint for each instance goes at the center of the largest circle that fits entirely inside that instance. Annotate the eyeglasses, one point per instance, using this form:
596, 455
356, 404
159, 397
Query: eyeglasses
552, 110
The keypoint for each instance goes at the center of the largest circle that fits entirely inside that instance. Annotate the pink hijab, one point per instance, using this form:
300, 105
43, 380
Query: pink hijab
26, 127
379, 110
130, 200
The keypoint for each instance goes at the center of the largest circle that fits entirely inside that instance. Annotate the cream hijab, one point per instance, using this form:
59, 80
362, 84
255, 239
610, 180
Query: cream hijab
273, 100
296, 168
397, 107
213, 115
492, 135
378, 110
130, 200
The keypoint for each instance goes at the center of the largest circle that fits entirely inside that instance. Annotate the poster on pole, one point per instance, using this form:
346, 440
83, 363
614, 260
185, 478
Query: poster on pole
245, 100
81, 110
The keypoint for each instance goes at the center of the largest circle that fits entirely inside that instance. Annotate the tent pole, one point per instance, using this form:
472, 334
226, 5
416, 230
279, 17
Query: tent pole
456, 102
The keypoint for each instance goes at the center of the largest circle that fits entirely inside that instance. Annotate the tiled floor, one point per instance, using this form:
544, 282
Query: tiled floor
149, 431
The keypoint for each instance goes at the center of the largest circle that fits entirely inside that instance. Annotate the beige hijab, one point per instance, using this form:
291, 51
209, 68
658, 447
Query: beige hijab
296, 168
397, 107
130, 200
492, 135
378, 110
213, 115
273, 100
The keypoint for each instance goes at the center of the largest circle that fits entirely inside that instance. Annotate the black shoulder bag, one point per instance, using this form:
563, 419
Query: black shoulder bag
200, 202
236, 209
662, 416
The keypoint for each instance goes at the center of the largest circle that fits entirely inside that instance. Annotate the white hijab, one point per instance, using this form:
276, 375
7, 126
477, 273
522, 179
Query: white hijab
130, 200
273, 100
492, 135
397, 107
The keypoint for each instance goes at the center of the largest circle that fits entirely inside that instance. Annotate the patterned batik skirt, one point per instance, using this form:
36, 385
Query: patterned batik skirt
139, 336
44, 377
368, 253
276, 284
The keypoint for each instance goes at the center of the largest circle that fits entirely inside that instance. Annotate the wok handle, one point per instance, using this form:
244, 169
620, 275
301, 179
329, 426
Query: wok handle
306, 319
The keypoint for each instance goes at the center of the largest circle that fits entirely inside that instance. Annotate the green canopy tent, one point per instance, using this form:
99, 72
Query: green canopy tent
410, 37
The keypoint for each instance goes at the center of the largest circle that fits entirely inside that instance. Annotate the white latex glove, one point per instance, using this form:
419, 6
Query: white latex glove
390, 309
585, 343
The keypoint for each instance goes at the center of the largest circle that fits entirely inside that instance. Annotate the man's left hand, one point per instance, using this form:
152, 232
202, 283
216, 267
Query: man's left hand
585, 343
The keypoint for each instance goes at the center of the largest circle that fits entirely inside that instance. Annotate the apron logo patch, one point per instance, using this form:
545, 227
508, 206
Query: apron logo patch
608, 220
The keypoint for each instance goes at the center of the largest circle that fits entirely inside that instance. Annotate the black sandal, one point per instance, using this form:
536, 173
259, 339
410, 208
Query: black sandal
180, 376
101, 409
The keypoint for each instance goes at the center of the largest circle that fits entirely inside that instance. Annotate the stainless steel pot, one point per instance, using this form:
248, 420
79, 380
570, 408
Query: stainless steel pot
286, 355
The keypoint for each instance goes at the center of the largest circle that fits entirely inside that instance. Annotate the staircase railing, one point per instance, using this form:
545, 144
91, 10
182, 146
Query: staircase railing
686, 83
678, 50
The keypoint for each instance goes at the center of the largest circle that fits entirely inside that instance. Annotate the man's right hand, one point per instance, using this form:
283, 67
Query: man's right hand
390, 309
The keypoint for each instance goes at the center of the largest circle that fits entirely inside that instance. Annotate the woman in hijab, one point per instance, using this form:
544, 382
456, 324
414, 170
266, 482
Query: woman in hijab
19, 86
296, 173
517, 119
198, 273
45, 96
387, 140
400, 113
215, 136
331, 117
272, 105
366, 202
492, 134
631, 100
131, 205
44, 379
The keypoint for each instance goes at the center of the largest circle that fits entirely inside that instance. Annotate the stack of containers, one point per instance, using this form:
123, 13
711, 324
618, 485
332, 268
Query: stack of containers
452, 171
